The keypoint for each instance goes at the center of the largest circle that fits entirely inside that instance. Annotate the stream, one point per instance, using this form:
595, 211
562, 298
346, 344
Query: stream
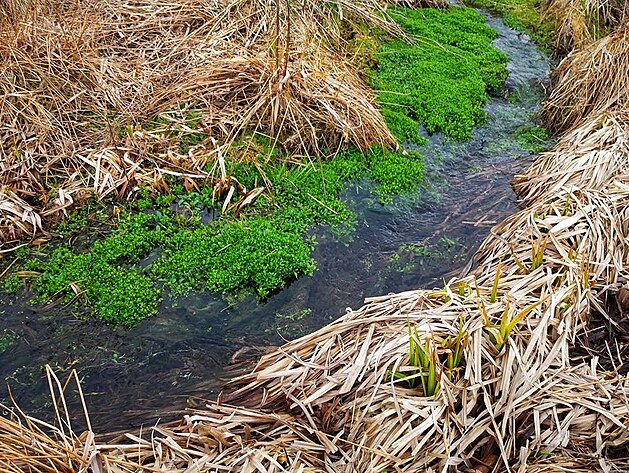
156, 369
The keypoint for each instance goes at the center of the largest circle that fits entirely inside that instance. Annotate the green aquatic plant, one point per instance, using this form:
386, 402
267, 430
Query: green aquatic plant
7, 340
259, 253
441, 79
395, 173
533, 139
11, 284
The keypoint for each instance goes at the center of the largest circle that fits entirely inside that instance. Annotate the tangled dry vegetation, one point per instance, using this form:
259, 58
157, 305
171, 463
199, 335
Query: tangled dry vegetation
525, 396
590, 82
97, 97
580, 23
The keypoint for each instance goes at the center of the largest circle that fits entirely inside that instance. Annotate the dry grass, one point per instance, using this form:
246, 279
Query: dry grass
522, 399
329, 401
30, 445
421, 3
588, 157
589, 83
583, 22
99, 97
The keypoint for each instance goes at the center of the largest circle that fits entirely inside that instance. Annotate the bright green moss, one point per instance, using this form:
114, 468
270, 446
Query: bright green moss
533, 139
11, 284
263, 253
258, 253
396, 173
441, 80
103, 278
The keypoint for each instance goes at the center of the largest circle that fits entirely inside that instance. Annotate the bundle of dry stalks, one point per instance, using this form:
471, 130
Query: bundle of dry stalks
421, 3
589, 83
98, 97
588, 157
30, 445
580, 23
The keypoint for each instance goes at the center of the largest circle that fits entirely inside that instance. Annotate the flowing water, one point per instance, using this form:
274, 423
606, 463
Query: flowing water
134, 376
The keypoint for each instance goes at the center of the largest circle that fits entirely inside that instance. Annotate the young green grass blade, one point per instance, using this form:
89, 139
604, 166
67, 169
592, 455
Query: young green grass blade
494, 289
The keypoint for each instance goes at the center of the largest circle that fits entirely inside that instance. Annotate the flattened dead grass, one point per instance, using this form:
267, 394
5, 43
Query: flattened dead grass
588, 157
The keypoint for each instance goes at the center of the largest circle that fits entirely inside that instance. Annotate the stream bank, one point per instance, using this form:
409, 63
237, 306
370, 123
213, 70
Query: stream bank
408, 243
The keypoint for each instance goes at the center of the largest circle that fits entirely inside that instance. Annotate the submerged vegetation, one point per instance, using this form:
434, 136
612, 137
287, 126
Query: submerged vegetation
533, 139
259, 241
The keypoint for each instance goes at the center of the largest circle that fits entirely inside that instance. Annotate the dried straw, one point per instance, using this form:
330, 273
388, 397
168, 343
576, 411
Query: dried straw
588, 157
579, 23
98, 97
30, 445
589, 83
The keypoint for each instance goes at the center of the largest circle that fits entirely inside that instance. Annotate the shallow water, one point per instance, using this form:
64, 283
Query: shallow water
134, 376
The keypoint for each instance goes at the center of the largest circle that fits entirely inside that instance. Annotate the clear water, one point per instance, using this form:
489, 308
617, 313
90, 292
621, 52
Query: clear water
135, 376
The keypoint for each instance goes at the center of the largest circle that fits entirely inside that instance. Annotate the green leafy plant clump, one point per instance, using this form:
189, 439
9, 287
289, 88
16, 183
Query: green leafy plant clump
104, 277
429, 360
261, 253
261, 249
533, 139
441, 79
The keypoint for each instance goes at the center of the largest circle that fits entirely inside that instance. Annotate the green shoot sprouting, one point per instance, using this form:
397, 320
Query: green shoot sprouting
537, 254
494, 289
454, 348
464, 289
499, 334
425, 360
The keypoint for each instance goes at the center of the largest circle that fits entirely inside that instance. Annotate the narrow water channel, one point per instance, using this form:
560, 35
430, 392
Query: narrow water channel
134, 376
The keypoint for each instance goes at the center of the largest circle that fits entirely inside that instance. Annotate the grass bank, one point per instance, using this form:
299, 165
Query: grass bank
560, 25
